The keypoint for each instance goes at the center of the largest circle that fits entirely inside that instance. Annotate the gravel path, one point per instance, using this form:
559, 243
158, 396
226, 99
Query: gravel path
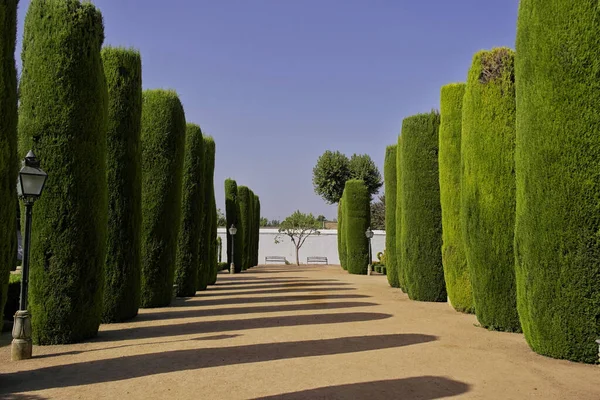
286, 332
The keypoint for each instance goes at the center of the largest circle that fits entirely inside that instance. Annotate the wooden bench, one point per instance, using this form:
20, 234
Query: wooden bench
276, 259
317, 260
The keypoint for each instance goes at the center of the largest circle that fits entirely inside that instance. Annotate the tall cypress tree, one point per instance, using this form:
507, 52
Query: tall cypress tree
390, 180
456, 271
399, 248
8, 145
357, 218
123, 70
256, 229
488, 187
557, 246
243, 228
421, 230
63, 118
188, 246
206, 238
163, 151
341, 237
230, 214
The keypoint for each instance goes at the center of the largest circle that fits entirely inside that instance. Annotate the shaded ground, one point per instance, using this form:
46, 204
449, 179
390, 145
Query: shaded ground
285, 332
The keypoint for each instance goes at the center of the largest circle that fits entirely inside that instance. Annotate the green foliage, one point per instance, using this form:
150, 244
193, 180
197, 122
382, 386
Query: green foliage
213, 240
257, 230
188, 243
333, 169
357, 218
330, 174
298, 227
421, 232
557, 246
231, 211
341, 237
243, 227
378, 214
163, 152
219, 246
364, 169
456, 270
207, 238
221, 220
488, 187
123, 71
399, 215
390, 179
13, 292
63, 118
8, 145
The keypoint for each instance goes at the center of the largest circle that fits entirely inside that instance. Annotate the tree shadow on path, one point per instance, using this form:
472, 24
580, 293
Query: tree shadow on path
276, 290
200, 301
128, 367
190, 328
421, 388
214, 312
267, 281
269, 285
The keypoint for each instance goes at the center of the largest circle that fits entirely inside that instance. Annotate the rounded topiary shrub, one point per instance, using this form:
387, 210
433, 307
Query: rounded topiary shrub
231, 216
488, 187
206, 238
163, 150
357, 219
188, 246
421, 232
8, 146
390, 180
123, 70
456, 270
558, 189
63, 118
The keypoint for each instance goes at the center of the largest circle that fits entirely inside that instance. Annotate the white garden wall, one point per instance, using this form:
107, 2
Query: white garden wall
324, 245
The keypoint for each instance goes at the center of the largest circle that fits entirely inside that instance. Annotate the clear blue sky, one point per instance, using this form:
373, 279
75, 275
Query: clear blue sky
278, 82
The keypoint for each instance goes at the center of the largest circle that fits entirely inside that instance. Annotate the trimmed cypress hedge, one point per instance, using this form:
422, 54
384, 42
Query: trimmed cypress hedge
389, 174
456, 270
188, 244
231, 216
421, 232
206, 237
163, 152
215, 245
488, 187
63, 118
357, 220
399, 249
123, 71
8, 146
243, 228
557, 246
257, 229
341, 236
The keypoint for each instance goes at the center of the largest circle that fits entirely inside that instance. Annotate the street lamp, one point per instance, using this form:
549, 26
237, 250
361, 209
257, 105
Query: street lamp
29, 188
369, 235
232, 232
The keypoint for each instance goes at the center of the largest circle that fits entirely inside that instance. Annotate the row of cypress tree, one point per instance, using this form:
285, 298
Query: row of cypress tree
242, 210
129, 205
497, 197
354, 218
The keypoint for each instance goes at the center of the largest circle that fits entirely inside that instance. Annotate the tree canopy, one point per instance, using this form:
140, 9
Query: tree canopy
333, 169
298, 227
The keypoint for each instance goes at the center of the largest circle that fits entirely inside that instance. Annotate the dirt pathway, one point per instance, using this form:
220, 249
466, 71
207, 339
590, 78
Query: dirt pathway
285, 332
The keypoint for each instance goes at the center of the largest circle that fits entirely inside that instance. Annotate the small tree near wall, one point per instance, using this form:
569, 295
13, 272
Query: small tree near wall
298, 227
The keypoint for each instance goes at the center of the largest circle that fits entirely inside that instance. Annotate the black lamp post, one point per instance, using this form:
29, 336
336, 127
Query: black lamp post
369, 235
232, 232
29, 188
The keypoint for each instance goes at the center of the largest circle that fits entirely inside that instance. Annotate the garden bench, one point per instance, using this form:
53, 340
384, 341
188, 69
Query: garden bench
277, 259
317, 260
